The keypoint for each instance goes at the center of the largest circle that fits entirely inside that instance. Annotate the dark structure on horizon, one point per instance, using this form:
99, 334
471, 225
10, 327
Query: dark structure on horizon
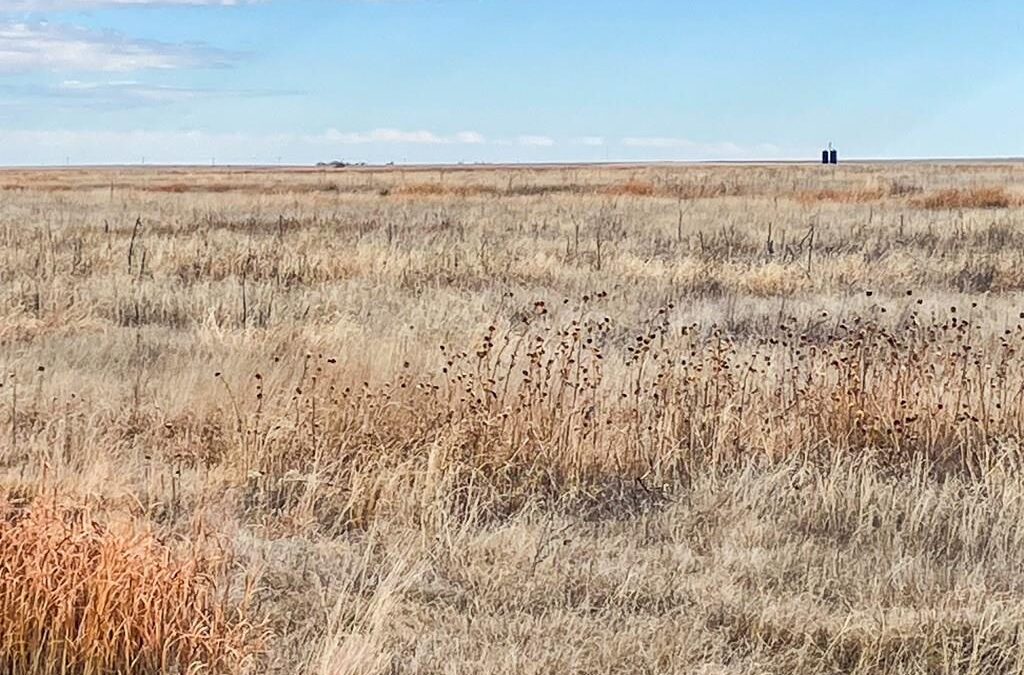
830, 156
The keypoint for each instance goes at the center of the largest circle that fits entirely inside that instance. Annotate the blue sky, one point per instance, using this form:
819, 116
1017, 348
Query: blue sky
297, 81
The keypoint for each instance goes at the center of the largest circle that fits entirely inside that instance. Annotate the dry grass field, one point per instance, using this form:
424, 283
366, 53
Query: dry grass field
699, 419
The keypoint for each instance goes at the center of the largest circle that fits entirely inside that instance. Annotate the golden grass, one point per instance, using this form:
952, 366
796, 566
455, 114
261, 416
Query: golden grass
611, 419
842, 196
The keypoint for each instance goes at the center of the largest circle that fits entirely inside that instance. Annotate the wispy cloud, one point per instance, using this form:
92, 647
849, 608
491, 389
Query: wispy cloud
536, 141
470, 138
26, 46
657, 142
377, 145
121, 93
393, 136
688, 149
190, 146
55, 5
131, 90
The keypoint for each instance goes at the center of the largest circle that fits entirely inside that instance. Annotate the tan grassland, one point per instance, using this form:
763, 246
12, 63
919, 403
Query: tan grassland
663, 419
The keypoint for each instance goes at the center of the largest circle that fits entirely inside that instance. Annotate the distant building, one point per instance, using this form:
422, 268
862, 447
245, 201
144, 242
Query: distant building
830, 155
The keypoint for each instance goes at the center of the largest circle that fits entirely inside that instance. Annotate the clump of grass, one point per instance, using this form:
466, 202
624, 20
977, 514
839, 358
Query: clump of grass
861, 196
80, 596
967, 198
632, 188
438, 190
355, 643
586, 412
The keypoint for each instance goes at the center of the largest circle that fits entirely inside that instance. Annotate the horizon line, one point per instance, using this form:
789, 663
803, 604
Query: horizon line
361, 166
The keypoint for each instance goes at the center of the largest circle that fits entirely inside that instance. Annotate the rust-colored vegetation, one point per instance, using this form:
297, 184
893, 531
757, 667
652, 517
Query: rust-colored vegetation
967, 198
83, 596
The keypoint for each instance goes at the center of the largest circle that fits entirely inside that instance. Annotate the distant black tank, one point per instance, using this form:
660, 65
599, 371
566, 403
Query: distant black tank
824, 156
833, 157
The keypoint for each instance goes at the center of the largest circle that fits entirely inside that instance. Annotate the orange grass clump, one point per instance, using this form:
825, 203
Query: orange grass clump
967, 198
79, 596
631, 188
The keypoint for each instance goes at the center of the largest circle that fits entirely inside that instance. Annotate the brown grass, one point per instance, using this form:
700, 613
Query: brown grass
439, 190
967, 198
614, 419
842, 196
78, 595
632, 188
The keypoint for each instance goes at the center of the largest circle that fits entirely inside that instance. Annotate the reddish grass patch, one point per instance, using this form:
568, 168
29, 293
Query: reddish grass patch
35, 187
79, 596
969, 198
632, 188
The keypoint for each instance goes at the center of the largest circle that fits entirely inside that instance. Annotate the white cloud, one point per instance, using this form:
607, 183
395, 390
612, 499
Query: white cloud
380, 136
536, 141
470, 137
656, 142
124, 90
379, 145
116, 94
45, 46
684, 148
393, 136
53, 5
191, 146
591, 141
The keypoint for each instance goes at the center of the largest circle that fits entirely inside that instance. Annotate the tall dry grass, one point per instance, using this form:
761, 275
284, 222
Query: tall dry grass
79, 595
615, 419
970, 198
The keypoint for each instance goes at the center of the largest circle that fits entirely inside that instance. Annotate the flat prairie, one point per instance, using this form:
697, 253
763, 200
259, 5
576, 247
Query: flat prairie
606, 419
